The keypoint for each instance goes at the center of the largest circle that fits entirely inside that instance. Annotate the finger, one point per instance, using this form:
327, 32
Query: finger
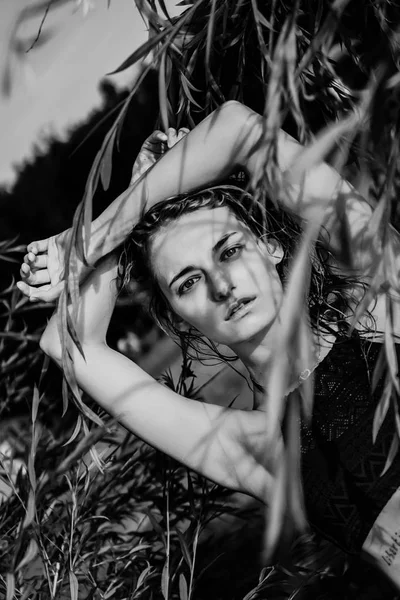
36, 261
35, 278
155, 138
160, 136
38, 246
45, 293
182, 132
25, 270
172, 137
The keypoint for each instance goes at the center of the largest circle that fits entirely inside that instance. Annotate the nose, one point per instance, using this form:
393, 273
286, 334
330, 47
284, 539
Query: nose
221, 286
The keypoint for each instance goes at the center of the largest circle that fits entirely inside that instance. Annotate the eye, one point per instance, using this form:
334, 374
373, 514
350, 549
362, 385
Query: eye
230, 252
187, 285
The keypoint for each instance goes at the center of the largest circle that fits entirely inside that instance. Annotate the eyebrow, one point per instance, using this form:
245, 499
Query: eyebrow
215, 249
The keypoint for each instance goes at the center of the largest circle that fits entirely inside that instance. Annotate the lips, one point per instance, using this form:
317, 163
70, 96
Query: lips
236, 305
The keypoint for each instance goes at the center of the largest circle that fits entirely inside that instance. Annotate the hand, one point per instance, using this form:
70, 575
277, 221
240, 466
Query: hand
43, 268
153, 149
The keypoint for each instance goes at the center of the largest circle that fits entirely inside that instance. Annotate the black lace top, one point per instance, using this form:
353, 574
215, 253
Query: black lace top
343, 487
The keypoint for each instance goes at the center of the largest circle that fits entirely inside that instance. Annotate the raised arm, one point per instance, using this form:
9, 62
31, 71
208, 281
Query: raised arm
208, 438
226, 140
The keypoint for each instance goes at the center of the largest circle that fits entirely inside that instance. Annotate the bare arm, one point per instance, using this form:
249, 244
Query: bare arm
208, 438
226, 140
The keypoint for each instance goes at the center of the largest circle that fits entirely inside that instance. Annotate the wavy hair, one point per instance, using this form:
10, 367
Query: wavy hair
329, 294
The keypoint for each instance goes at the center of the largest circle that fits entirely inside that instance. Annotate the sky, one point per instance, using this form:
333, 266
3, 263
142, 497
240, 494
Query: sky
55, 85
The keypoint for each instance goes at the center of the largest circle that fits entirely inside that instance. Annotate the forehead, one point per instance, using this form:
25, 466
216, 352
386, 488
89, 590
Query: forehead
189, 240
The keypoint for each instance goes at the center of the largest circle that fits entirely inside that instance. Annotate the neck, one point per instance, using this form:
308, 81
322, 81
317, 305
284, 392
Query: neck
257, 353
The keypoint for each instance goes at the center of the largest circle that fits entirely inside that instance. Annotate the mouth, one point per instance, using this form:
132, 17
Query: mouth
239, 308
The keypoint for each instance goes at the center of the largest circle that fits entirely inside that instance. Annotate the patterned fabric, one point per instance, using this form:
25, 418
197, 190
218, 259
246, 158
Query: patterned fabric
343, 486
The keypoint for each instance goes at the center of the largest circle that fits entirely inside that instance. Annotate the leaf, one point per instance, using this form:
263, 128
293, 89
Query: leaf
165, 580
73, 585
35, 404
394, 446
157, 527
184, 548
142, 577
76, 431
315, 153
275, 510
30, 554
381, 409
106, 162
30, 510
162, 93
10, 583
183, 587
210, 34
142, 51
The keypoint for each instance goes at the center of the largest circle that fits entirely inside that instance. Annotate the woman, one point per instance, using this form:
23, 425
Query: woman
213, 270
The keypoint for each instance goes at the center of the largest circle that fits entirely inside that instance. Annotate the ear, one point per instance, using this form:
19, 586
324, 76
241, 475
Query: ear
272, 248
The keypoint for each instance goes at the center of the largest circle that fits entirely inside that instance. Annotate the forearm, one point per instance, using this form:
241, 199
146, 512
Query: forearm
96, 304
207, 155
228, 139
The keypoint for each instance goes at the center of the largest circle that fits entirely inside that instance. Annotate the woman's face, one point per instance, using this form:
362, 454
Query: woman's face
217, 276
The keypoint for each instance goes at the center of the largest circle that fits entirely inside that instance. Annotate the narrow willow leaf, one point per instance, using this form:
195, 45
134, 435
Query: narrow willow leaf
106, 162
382, 409
73, 290
31, 468
73, 585
30, 510
10, 583
295, 492
35, 404
157, 527
183, 587
142, 51
394, 447
184, 548
390, 348
75, 432
210, 35
92, 449
162, 93
143, 575
276, 510
315, 153
29, 555
396, 417
186, 88
73, 335
28, 593
261, 19
379, 369
191, 493
165, 580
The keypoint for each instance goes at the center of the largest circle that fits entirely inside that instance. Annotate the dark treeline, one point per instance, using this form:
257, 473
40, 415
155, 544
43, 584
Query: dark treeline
41, 203
49, 187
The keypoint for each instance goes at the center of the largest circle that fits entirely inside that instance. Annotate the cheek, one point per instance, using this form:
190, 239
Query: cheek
257, 271
194, 308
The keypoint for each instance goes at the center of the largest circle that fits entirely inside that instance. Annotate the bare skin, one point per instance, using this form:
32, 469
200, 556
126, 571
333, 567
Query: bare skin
226, 445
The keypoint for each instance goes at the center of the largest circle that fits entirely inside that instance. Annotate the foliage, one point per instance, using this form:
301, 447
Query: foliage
70, 530
308, 66
311, 68
55, 178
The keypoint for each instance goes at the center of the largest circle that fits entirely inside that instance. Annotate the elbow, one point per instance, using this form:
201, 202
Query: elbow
50, 344
235, 115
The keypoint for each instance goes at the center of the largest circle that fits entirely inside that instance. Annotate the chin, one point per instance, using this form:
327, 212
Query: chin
250, 330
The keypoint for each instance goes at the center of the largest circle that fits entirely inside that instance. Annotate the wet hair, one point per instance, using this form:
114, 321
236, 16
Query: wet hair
329, 294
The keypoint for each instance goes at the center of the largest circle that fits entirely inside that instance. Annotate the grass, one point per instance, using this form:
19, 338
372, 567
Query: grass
308, 66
